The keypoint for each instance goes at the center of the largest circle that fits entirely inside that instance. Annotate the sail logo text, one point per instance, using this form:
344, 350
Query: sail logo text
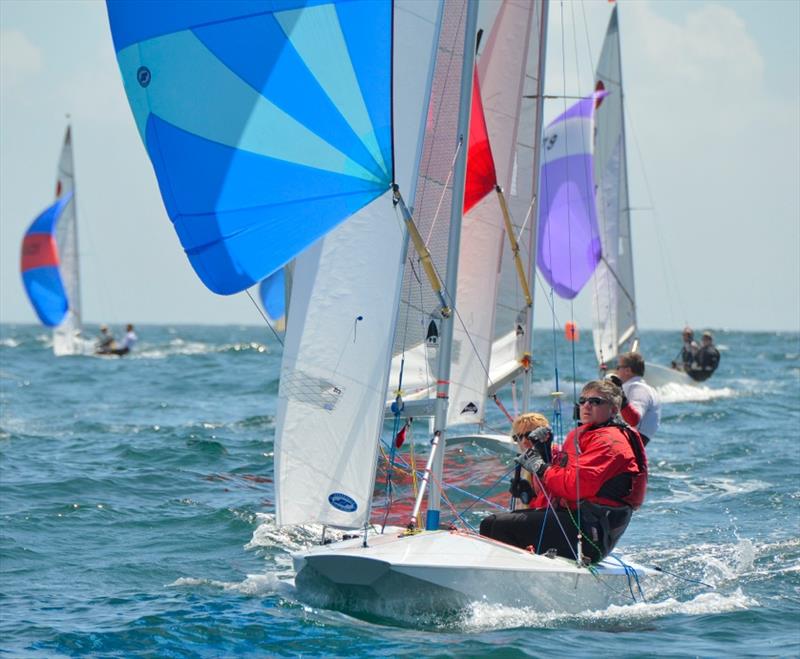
342, 502
143, 76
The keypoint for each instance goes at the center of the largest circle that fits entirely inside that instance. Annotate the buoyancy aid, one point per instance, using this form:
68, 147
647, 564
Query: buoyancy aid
629, 489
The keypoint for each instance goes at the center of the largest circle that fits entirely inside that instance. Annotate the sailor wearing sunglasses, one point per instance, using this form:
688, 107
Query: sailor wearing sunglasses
606, 458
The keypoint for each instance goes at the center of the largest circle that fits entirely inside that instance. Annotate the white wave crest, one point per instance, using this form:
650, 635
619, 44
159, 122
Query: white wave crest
254, 585
486, 617
685, 393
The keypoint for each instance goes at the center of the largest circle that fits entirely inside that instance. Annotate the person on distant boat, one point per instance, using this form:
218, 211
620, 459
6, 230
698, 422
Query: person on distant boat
105, 341
688, 353
707, 359
127, 343
641, 406
611, 465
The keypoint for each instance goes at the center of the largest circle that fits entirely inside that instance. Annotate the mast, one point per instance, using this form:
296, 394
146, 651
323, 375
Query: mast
534, 228
451, 276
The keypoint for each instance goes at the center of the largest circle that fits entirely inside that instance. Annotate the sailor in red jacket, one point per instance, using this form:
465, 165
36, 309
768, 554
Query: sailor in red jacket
608, 469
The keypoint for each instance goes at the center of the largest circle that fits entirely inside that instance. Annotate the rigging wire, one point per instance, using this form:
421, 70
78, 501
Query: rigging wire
263, 315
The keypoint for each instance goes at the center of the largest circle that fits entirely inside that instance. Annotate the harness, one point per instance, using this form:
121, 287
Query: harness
628, 489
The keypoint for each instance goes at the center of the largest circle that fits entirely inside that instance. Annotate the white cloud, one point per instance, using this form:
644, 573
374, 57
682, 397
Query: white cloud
19, 59
705, 71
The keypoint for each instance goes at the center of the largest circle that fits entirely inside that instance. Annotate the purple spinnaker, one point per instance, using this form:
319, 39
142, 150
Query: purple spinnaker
569, 239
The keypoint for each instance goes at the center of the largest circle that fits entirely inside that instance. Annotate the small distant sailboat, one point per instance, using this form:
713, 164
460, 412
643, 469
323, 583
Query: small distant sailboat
292, 130
50, 264
272, 293
614, 294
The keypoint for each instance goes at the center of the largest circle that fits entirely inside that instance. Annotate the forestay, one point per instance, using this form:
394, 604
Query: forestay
268, 122
343, 310
614, 298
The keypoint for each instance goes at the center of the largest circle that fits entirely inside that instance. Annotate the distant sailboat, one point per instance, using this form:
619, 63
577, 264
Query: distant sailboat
50, 264
272, 293
614, 294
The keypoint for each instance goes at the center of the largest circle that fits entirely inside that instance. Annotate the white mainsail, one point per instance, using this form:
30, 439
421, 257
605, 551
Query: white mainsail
341, 317
66, 339
502, 71
614, 298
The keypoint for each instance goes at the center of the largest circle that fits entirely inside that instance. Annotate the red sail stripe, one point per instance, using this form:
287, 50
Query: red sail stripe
38, 251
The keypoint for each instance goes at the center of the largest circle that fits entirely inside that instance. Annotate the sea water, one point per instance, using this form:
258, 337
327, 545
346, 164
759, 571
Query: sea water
137, 509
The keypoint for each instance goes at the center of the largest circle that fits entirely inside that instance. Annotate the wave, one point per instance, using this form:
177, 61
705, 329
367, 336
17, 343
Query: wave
254, 585
182, 347
685, 393
483, 617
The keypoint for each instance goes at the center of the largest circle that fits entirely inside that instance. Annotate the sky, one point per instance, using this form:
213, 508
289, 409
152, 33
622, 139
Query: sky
713, 109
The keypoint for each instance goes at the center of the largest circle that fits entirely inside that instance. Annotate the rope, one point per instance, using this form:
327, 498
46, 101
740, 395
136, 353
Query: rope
266, 320
630, 572
682, 578
502, 408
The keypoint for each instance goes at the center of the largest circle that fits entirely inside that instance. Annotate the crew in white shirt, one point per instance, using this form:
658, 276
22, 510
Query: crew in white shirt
643, 410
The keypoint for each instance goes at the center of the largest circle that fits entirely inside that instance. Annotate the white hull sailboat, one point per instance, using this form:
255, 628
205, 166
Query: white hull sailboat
383, 136
51, 264
431, 569
614, 294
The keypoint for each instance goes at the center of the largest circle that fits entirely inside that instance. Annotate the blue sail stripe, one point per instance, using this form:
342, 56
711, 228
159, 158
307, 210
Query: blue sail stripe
249, 175
232, 112
244, 47
332, 66
47, 295
136, 20
371, 54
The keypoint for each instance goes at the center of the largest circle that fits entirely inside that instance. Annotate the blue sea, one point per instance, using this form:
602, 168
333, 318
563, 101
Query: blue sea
136, 503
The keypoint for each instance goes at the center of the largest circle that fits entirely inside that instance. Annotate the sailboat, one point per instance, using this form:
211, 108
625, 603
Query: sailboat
320, 145
50, 264
614, 296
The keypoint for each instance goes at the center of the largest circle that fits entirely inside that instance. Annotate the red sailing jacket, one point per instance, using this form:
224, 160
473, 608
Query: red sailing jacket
606, 452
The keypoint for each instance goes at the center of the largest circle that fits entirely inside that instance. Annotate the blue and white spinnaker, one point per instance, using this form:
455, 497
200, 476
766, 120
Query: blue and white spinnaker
268, 122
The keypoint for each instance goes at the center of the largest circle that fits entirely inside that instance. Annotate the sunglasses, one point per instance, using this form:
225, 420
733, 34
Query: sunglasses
594, 401
521, 436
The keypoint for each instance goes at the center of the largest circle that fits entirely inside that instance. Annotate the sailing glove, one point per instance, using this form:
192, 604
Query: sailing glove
532, 461
541, 434
542, 439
